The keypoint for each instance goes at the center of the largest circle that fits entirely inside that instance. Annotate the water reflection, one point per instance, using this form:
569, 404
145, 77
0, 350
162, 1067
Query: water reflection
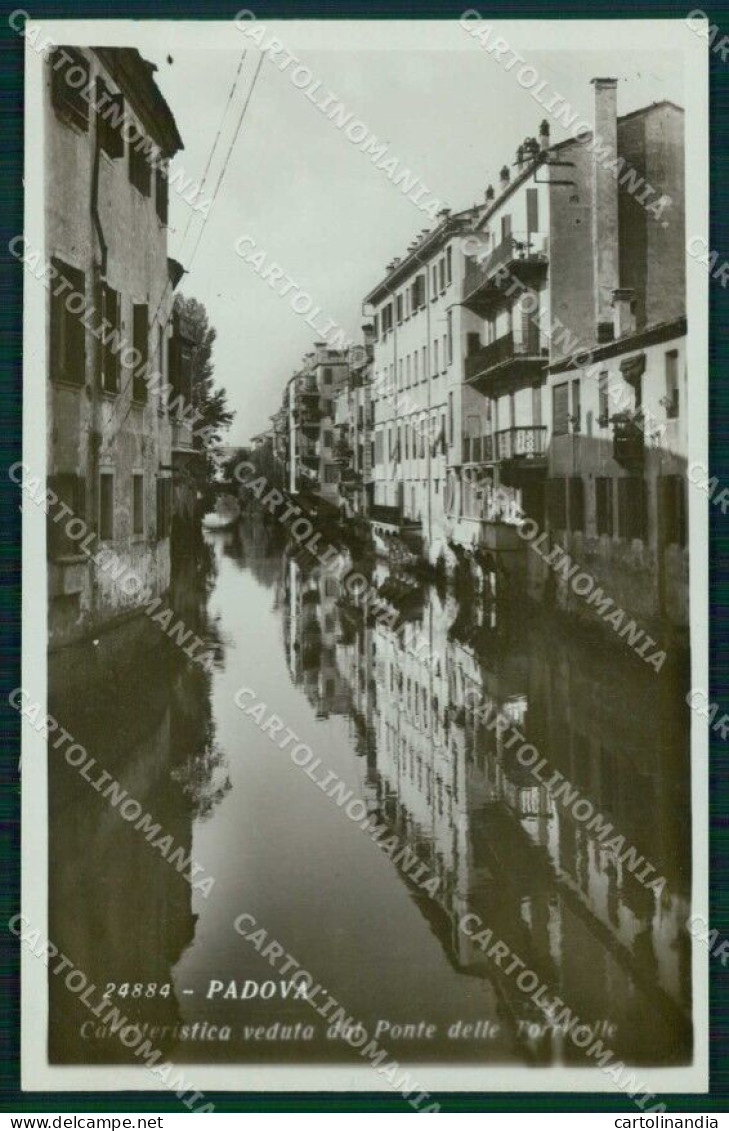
406, 737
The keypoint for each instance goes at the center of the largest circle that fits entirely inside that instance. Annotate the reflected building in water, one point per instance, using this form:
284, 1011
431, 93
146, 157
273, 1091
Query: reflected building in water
503, 846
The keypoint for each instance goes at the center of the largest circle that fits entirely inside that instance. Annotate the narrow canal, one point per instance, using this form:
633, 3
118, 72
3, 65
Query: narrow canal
492, 847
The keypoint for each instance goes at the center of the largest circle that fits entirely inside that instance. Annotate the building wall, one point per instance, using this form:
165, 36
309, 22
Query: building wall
643, 575
90, 431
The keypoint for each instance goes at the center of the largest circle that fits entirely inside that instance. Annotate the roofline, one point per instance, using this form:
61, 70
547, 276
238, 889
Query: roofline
134, 75
435, 239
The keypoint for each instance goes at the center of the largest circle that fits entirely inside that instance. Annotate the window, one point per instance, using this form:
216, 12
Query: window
399, 309
69, 80
408, 371
434, 283
672, 496
376, 327
556, 504
328, 375
442, 432
421, 427
139, 168
537, 406
389, 443
68, 334
327, 439
161, 194
378, 452
576, 406
106, 507
109, 119
560, 409
407, 440
449, 334
398, 450
111, 338
435, 357
419, 292
424, 370
137, 504
71, 492
415, 368
164, 507
604, 505
444, 355
140, 334
603, 399
671, 401
450, 418
577, 503
449, 265
631, 507
441, 273
399, 374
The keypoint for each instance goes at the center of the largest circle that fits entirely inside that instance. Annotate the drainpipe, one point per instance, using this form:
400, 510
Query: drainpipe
98, 272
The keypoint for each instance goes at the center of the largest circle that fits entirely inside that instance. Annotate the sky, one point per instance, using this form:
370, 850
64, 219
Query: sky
318, 206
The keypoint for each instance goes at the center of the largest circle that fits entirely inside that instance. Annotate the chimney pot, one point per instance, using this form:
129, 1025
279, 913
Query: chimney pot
504, 176
544, 134
490, 192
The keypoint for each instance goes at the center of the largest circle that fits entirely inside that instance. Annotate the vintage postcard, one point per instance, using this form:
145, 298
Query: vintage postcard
364, 493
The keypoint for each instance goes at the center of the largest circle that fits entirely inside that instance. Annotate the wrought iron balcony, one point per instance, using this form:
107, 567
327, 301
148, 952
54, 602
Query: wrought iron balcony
523, 255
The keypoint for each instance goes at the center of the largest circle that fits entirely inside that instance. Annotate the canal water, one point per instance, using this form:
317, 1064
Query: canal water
471, 846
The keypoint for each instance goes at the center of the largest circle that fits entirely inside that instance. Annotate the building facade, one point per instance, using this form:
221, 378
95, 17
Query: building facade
420, 328
110, 442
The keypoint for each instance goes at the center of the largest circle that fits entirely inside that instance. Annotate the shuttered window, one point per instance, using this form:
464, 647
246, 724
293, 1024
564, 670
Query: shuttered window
604, 505
161, 194
164, 507
632, 519
672, 495
109, 119
68, 334
140, 331
106, 507
577, 503
557, 504
69, 79
110, 339
139, 167
560, 409
71, 493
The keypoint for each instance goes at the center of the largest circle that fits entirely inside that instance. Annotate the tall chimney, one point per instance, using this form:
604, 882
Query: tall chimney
605, 263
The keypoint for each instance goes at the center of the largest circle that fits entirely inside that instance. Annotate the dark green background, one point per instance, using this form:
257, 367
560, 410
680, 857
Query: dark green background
11, 288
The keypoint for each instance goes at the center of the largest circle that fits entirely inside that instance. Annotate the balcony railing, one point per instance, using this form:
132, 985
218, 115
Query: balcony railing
521, 443
478, 449
521, 252
504, 349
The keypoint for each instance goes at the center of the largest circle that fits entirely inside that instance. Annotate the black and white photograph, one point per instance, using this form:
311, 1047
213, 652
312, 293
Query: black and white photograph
365, 620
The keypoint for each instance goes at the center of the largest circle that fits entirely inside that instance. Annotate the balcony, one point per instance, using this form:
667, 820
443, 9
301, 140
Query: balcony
506, 357
523, 255
527, 444
628, 440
